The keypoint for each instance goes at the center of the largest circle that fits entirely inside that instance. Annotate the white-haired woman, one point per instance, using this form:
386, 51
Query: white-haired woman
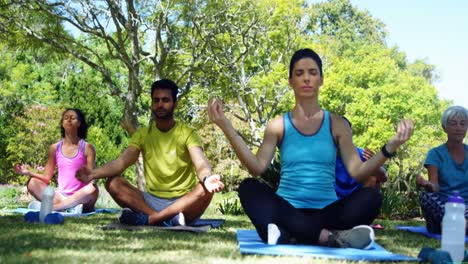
447, 167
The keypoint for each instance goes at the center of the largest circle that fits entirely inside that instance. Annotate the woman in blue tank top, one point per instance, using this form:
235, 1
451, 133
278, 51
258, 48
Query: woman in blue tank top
305, 209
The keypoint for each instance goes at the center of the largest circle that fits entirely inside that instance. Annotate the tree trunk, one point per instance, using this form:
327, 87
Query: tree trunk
140, 172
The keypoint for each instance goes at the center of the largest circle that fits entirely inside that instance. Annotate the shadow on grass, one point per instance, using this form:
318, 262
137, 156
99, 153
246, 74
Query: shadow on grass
83, 234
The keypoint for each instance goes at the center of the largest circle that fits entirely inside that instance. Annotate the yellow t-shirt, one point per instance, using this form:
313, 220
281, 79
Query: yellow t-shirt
168, 168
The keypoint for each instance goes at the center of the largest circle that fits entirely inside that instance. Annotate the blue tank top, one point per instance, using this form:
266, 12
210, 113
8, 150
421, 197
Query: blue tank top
307, 165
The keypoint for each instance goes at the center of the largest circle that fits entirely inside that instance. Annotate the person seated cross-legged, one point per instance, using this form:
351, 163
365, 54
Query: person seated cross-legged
172, 160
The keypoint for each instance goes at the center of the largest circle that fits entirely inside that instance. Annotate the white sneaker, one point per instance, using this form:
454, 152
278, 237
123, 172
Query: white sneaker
360, 237
77, 209
178, 220
35, 205
273, 234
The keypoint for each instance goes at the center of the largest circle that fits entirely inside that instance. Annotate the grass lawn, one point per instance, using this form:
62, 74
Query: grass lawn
80, 240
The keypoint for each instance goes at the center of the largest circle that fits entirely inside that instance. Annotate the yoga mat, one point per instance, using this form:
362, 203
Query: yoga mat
250, 243
423, 231
117, 226
97, 211
200, 226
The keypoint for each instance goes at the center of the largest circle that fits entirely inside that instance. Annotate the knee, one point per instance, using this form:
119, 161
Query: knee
32, 183
92, 189
112, 183
246, 185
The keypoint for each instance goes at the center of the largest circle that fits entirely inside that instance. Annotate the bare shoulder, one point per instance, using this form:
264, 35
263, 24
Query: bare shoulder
53, 147
276, 125
89, 148
339, 124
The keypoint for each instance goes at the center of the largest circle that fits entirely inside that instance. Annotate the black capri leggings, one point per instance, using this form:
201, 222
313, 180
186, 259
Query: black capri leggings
264, 206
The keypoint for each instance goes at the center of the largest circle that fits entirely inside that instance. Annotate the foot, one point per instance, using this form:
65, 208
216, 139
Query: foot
77, 209
273, 234
177, 220
129, 217
277, 235
35, 205
360, 237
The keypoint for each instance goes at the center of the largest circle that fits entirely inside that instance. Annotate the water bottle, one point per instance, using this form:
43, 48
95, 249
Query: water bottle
47, 203
453, 227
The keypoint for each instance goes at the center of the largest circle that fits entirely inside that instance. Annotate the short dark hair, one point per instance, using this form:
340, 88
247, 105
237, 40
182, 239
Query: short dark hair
166, 84
82, 129
305, 53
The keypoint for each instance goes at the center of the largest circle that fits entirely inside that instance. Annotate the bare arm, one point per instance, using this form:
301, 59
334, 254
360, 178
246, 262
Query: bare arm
90, 153
256, 164
431, 185
359, 170
380, 174
113, 168
48, 170
203, 168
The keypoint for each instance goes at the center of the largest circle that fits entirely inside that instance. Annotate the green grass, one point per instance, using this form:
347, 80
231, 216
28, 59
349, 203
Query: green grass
80, 240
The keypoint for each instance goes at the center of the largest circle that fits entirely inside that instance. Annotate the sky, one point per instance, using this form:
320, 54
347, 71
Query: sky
433, 30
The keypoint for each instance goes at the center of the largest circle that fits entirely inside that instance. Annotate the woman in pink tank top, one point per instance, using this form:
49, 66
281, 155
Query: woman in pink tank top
68, 155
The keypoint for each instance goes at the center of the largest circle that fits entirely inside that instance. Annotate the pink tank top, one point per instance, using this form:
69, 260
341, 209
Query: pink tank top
67, 167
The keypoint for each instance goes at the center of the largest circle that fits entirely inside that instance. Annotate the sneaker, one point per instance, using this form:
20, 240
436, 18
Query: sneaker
129, 217
177, 220
77, 209
278, 236
360, 237
35, 205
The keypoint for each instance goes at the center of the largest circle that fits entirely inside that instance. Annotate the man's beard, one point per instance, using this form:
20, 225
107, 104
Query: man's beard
163, 115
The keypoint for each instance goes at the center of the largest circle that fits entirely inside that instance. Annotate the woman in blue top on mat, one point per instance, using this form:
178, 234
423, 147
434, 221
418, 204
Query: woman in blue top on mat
305, 208
447, 166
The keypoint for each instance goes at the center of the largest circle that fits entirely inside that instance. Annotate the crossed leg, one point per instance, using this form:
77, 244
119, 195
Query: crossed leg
192, 204
87, 196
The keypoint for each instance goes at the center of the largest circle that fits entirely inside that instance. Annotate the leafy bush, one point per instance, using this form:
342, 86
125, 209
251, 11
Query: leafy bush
230, 205
9, 196
399, 202
36, 129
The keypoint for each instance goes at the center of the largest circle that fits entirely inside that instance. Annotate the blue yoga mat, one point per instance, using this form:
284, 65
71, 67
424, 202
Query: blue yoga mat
97, 211
422, 230
250, 243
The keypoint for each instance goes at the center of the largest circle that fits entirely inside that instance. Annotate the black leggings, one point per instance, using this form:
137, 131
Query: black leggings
264, 206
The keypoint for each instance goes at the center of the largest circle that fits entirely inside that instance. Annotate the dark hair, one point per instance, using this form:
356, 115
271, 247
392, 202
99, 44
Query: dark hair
305, 53
166, 84
82, 129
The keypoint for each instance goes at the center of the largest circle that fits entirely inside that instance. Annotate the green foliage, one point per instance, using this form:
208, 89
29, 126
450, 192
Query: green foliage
10, 193
230, 204
35, 131
398, 203
9, 196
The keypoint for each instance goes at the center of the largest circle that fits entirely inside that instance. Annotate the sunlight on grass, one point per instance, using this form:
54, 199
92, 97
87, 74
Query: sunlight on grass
81, 240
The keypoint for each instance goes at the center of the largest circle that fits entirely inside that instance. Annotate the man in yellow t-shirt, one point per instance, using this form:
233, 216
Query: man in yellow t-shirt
172, 159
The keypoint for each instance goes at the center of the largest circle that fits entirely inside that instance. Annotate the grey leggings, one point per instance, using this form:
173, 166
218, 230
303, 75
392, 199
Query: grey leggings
264, 206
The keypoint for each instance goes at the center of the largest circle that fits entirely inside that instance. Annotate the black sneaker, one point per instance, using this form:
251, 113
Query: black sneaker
129, 217
360, 237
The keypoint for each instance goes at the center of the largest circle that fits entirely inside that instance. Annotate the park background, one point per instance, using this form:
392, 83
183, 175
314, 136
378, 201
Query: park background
102, 56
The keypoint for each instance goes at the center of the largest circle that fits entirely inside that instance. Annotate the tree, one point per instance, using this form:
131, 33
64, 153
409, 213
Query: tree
154, 38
